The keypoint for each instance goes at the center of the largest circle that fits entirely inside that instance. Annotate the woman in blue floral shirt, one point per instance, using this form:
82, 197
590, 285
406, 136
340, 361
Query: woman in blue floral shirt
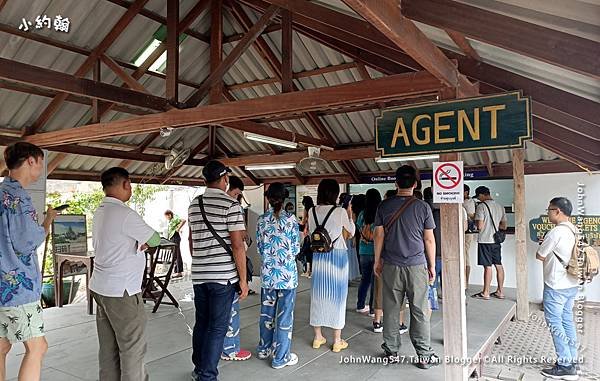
278, 240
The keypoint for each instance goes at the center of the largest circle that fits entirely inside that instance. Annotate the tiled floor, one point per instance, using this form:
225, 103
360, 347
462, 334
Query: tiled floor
530, 340
74, 344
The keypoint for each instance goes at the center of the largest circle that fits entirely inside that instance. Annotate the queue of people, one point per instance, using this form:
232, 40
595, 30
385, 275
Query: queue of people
396, 243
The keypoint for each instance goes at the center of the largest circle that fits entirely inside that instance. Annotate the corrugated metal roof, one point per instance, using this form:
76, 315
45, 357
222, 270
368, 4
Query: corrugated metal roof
92, 20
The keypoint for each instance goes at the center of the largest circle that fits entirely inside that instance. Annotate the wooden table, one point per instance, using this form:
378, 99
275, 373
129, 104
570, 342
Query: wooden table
88, 262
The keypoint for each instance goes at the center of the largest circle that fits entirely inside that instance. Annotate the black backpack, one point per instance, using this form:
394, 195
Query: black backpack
320, 241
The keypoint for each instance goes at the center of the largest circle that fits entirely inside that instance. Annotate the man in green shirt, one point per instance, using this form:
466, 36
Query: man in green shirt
175, 225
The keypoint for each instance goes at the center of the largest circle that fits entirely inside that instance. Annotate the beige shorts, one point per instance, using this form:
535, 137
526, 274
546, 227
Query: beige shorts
470, 241
21, 323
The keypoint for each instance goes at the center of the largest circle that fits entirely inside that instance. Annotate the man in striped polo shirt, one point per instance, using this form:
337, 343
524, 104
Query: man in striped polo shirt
218, 267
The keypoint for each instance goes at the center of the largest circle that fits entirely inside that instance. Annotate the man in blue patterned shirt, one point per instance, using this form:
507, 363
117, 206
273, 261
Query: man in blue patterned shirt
20, 277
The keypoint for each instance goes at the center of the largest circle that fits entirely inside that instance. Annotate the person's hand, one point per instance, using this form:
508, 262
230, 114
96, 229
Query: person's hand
144, 247
244, 290
431, 270
378, 268
51, 213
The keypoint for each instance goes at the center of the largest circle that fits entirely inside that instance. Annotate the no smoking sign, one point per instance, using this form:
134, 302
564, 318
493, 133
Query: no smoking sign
448, 182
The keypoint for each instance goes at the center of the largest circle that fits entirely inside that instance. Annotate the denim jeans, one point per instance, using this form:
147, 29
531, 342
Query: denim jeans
276, 323
558, 310
213, 310
367, 281
231, 345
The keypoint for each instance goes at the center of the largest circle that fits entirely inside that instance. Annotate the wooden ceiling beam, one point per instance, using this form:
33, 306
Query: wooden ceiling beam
216, 58
135, 178
28, 89
163, 20
488, 162
59, 158
172, 72
386, 17
49, 79
298, 75
363, 92
287, 52
87, 65
461, 41
295, 157
229, 61
549, 45
228, 153
274, 27
131, 82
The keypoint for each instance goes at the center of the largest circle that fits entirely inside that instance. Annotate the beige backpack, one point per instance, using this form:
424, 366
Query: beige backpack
584, 261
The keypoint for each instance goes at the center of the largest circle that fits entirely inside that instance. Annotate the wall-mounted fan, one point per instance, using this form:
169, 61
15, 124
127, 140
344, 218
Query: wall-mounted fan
313, 163
177, 156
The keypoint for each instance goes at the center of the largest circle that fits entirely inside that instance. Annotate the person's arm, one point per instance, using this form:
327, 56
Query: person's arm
181, 224
429, 240
21, 223
379, 236
503, 223
135, 227
237, 229
348, 223
239, 257
547, 246
479, 217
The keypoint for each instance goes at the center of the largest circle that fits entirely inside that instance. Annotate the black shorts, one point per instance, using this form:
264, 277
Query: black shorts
489, 254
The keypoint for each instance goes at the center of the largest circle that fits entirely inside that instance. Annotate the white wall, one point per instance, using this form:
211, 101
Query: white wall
539, 190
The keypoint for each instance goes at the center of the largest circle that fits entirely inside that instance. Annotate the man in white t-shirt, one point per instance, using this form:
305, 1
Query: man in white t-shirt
489, 218
119, 237
560, 289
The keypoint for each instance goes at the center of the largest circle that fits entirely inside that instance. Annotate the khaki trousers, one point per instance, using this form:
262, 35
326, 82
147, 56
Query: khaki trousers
414, 282
121, 323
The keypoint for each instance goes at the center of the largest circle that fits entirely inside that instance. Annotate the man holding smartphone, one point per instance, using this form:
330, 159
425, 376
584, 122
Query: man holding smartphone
20, 278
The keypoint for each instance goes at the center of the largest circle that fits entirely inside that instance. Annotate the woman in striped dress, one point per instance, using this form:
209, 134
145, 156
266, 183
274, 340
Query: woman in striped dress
330, 270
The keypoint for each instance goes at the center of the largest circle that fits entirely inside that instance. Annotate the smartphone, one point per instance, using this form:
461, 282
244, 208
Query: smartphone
346, 201
60, 208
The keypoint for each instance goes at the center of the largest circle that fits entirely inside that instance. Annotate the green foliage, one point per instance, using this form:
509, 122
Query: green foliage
87, 202
142, 195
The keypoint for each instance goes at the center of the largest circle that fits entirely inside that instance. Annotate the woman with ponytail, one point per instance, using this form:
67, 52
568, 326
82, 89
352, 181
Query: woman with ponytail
278, 243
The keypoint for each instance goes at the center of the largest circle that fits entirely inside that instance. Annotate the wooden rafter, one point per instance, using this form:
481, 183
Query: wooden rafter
461, 41
488, 162
362, 70
373, 91
163, 20
287, 52
216, 58
298, 75
217, 74
227, 152
95, 102
59, 158
172, 83
555, 47
115, 32
131, 82
386, 17
28, 89
49, 79
274, 27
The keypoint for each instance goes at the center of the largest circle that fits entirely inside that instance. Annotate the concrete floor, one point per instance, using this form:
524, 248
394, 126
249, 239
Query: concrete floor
72, 337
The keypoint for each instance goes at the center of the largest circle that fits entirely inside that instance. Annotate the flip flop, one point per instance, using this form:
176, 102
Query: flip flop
496, 295
480, 295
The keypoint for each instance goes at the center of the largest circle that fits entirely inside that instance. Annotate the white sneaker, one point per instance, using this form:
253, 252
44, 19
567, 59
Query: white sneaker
292, 361
263, 355
363, 310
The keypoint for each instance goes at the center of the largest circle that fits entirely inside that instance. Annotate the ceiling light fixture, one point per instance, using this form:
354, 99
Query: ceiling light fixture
269, 140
